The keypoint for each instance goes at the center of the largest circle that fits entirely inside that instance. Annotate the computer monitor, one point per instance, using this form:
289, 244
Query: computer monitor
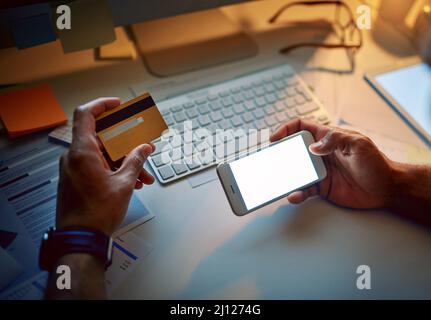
172, 36
187, 39
128, 12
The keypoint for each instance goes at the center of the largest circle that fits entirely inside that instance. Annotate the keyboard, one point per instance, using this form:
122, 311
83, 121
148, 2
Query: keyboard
234, 109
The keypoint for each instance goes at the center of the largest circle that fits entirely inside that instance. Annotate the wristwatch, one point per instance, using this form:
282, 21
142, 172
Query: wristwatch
57, 243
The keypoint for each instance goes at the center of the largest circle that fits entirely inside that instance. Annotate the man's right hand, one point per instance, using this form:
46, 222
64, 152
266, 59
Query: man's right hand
90, 194
359, 175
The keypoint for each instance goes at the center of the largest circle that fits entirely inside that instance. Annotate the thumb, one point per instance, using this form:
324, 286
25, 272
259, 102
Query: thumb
134, 161
327, 145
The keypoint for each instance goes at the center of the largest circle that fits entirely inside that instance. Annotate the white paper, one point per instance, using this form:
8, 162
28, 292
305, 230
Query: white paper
10, 269
129, 250
137, 214
31, 289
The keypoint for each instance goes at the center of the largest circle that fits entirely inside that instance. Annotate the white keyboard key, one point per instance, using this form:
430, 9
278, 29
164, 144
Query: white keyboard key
160, 146
201, 100
281, 117
176, 108
180, 116
216, 116
247, 117
192, 113
169, 120
291, 92
236, 121
192, 163
291, 113
188, 105
227, 113
166, 172
164, 112
249, 105
258, 113
157, 159
179, 168
280, 106
226, 102
306, 108
299, 99
271, 121
238, 108
204, 109
260, 101
204, 120
269, 110
215, 105
290, 102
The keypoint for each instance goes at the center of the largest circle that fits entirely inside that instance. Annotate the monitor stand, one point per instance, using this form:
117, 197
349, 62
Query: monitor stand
191, 41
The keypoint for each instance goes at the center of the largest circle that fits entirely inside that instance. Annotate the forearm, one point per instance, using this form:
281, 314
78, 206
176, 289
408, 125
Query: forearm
87, 278
411, 194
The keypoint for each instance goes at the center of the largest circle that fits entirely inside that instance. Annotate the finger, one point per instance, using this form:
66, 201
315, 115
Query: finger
138, 185
145, 177
84, 117
328, 144
133, 163
296, 197
294, 126
100, 105
300, 196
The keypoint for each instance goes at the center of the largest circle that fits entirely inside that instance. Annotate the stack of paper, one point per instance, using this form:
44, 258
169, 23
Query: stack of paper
28, 192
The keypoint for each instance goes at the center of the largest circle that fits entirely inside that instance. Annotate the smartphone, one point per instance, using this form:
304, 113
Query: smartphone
269, 174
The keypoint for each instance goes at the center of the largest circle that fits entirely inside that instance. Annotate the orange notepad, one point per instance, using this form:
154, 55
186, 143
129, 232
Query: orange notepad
31, 109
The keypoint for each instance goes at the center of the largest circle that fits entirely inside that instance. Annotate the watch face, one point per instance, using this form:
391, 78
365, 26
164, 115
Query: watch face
45, 252
110, 252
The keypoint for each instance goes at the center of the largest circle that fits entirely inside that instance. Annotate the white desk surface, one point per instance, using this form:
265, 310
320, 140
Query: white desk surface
202, 250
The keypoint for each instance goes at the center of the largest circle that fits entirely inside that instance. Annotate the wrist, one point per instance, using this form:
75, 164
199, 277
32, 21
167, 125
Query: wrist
410, 187
74, 240
399, 176
81, 261
84, 219
87, 279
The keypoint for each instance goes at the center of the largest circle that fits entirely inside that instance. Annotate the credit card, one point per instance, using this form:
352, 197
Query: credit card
135, 122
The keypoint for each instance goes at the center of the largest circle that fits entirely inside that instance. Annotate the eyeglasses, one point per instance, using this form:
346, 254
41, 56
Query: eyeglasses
346, 32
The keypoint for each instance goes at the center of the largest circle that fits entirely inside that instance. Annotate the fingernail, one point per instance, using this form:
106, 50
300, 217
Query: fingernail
147, 148
153, 147
317, 144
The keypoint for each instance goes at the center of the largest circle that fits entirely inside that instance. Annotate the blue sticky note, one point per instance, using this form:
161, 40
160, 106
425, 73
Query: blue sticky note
30, 25
33, 31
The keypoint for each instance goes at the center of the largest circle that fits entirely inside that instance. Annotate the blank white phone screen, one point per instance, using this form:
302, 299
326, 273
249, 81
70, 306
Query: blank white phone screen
274, 171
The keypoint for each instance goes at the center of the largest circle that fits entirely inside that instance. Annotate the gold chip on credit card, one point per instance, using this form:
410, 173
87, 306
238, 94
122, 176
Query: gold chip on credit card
133, 123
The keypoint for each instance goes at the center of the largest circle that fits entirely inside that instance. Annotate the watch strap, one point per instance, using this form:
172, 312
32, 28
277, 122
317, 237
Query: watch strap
57, 243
